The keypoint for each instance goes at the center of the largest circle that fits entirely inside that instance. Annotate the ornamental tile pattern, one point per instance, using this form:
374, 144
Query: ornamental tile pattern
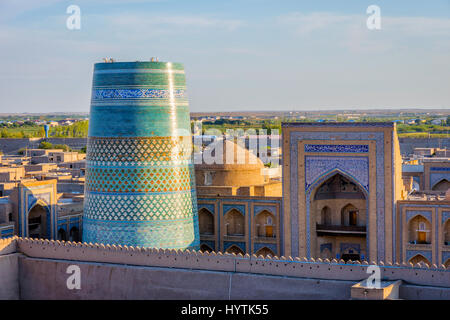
438, 177
100, 94
355, 167
440, 169
149, 179
445, 216
412, 213
349, 148
412, 253
155, 151
178, 234
139, 207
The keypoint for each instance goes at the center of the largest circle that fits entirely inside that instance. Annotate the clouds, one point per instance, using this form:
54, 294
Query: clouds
149, 25
308, 23
235, 56
350, 31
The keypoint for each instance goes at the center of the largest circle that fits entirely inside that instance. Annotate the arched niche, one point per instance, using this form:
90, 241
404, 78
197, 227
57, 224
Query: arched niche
234, 249
447, 263
419, 230
338, 208
265, 224
205, 248
446, 235
37, 222
264, 251
442, 185
206, 221
339, 200
419, 258
234, 223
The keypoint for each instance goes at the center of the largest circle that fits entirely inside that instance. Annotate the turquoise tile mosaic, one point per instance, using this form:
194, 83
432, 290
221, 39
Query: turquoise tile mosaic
140, 181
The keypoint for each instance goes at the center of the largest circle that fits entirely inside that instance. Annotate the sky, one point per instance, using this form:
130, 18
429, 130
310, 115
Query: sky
245, 55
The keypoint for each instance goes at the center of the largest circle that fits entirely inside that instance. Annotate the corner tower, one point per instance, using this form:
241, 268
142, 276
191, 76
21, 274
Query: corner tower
140, 181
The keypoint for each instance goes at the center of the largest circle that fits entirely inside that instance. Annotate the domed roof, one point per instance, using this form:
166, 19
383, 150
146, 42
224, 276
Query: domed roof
234, 157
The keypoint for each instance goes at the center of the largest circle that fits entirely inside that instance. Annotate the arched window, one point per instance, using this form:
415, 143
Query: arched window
422, 226
74, 235
265, 226
234, 223
62, 235
326, 215
349, 215
264, 251
206, 222
234, 249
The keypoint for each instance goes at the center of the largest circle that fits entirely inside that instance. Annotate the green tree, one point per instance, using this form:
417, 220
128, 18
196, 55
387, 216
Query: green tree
45, 145
64, 147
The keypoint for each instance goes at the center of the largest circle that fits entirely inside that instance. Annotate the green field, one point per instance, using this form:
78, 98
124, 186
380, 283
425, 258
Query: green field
76, 130
80, 128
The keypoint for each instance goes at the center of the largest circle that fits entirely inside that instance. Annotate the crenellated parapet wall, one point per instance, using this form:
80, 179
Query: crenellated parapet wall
8, 245
196, 260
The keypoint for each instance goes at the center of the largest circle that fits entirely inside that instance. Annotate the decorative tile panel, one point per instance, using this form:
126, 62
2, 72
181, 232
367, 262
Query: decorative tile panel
328, 246
228, 207
240, 245
438, 177
351, 246
440, 169
271, 246
100, 94
34, 197
445, 216
346, 148
355, 167
259, 209
412, 253
412, 213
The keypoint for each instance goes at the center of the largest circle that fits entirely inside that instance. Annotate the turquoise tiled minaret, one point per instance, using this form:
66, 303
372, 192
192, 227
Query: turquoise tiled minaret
140, 187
